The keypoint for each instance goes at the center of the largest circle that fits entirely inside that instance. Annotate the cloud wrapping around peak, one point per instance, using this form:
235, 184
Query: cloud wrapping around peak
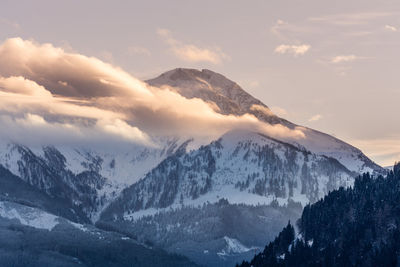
296, 50
190, 52
63, 97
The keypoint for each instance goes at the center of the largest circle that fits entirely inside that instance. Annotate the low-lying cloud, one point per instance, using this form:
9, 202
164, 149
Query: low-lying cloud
50, 95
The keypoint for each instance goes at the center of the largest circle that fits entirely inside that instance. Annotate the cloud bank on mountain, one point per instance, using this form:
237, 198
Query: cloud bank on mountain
68, 97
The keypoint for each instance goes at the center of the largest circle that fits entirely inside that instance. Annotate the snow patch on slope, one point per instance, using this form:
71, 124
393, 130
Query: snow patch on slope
117, 168
9, 157
323, 144
35, 217
28, 216
233, 246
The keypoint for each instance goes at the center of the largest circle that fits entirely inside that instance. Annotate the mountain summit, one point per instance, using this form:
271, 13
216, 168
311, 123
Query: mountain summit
209, 86
227, 97
224, 95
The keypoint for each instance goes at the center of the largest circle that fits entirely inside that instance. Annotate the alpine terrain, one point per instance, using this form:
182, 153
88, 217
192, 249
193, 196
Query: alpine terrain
214, 203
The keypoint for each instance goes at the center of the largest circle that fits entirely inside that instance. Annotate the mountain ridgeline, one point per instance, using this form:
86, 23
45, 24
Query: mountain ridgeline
357, 226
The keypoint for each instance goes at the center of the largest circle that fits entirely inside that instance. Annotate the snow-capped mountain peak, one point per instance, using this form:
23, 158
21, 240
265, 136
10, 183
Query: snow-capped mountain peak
230, 98
210, 86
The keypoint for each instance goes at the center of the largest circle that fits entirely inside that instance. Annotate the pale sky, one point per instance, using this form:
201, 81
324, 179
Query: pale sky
330, 65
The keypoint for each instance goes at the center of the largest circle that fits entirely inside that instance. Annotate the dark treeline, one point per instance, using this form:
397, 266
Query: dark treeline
356, 226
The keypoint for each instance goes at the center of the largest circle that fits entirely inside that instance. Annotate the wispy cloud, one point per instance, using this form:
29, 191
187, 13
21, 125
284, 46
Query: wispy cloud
12, 24
190, 52
390, 28
316, 117
358, 33
106, 56
278, 26
349, 19
138, 50
285, 30
343, 58
296, 50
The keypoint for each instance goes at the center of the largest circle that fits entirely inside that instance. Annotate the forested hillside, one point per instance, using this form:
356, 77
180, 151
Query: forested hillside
357, 226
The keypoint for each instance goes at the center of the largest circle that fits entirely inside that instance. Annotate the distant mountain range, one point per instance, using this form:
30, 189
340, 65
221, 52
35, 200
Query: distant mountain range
216, 204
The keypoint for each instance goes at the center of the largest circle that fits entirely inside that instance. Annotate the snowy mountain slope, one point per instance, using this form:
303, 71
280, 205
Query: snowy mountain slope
233, 246
230, 98
120, 166
179, 205
14, 189
348, 155
28, 216
217, 234
85, 177
243, 167
48, 173
33, 237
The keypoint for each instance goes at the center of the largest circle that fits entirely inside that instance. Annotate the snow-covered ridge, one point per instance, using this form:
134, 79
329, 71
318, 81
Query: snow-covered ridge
210, 86
233, 246
39, 219
242, 167
90, 178
28, 216
34, 217
323, 144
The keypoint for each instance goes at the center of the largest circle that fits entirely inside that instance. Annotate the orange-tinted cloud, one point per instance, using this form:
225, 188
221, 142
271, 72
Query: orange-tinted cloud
44, 86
